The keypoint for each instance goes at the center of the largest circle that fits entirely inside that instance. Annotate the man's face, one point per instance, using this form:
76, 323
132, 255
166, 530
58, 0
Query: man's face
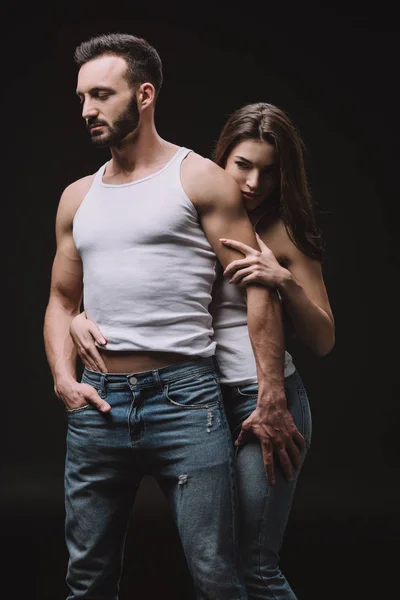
109, 104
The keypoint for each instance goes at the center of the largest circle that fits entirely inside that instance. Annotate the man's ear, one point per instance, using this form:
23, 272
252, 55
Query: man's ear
146, 95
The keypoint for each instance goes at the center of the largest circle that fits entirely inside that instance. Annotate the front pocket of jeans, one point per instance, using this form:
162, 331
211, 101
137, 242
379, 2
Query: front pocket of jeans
201, 393
79, 409
95, 385
247, 391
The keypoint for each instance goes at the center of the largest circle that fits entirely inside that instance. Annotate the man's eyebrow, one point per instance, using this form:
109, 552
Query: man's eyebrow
96, 90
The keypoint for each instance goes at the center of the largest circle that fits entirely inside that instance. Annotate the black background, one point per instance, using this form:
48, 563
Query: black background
335, 72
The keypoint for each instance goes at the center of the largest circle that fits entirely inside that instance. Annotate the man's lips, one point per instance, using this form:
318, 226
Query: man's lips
93, 127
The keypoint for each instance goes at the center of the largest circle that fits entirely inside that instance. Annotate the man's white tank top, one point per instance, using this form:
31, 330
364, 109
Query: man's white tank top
148, 268
234, 351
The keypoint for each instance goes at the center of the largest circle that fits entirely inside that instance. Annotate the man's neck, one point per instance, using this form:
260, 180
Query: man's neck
138, 158
141, 150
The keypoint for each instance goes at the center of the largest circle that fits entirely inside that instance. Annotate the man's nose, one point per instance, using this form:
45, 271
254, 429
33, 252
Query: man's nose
89, 110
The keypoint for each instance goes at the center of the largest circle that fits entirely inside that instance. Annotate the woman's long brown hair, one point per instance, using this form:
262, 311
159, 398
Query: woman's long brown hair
291, 201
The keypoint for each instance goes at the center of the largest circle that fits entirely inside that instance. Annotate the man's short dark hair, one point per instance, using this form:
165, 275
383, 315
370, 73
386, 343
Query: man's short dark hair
143, 61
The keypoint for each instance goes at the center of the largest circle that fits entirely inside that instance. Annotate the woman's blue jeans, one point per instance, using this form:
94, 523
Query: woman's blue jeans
264, 509
169, 423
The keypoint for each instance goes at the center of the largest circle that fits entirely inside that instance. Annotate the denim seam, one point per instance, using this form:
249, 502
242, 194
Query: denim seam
202, 407
95, 384
218, 402
302, 393
262, 517
243, 395
234, 495
132, 406
115, 385
71, 411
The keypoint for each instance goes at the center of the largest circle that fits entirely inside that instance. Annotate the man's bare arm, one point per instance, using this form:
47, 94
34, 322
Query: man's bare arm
64, 303
65, 295
220, 206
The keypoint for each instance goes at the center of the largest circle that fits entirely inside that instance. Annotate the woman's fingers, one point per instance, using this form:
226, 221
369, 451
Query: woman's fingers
96, 334
238, 276
247, 250
237, 264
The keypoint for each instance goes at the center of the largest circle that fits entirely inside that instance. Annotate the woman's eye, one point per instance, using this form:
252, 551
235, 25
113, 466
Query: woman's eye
241, 164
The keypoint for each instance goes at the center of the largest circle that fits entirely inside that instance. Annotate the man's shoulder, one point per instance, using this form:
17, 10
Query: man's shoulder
72, 197
200, 166
79, 186
204, 179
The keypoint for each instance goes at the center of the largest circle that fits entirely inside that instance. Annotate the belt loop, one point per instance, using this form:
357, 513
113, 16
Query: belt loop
157, 379
103, 381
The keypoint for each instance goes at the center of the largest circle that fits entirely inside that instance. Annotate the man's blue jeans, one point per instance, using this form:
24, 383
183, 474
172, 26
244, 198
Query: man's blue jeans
169, 423
264, 509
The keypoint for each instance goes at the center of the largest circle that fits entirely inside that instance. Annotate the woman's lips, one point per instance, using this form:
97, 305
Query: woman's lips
250, 196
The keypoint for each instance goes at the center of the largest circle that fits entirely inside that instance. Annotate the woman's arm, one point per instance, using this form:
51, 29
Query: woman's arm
300, 284
305, 299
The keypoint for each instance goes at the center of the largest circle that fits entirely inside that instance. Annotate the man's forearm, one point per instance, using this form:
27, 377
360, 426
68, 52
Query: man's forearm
264, 319
271, 421
60, 350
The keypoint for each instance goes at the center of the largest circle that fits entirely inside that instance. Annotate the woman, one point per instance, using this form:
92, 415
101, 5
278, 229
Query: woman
260, 147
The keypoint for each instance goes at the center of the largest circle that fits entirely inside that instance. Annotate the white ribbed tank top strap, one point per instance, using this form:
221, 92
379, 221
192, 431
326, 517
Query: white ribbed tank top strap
89, 194
175, 170
175, 166
99, 174
181, 154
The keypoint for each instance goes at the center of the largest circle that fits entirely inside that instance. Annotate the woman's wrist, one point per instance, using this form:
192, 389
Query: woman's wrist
285, 281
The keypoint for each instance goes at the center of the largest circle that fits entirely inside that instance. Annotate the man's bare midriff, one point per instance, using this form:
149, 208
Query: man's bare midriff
135, 362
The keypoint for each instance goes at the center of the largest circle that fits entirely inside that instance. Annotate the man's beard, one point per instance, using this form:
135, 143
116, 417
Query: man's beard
120, 128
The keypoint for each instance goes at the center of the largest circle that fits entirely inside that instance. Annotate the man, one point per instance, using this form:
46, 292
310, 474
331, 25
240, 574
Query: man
139, 239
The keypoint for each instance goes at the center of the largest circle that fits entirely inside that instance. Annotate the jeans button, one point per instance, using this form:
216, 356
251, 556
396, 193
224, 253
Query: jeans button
132, 380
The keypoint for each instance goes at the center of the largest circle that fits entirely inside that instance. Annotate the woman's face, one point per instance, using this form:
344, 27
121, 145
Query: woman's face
253, 164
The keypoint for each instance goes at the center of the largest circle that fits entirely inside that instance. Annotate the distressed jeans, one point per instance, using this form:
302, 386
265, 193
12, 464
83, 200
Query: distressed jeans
168, 423
263, 508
